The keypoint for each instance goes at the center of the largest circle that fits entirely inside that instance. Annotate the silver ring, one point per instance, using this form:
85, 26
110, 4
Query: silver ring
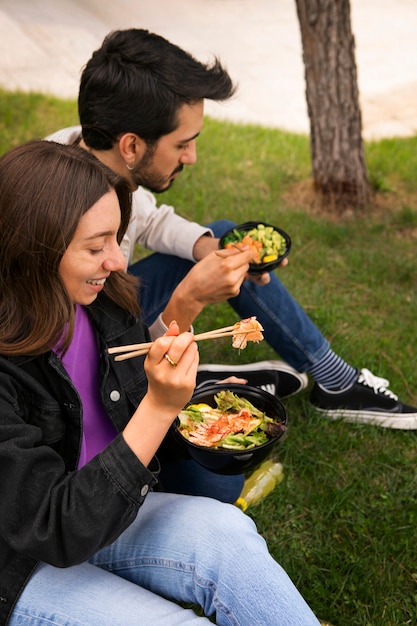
170, 361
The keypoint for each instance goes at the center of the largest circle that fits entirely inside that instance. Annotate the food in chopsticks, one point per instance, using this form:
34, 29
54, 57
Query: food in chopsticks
236, 424
266, 244
247, 330
242, 332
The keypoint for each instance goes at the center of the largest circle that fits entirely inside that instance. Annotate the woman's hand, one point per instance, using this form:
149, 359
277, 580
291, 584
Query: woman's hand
171, 369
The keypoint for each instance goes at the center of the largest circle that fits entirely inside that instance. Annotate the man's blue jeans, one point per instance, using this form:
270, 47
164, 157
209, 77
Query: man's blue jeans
179, 549
287, 328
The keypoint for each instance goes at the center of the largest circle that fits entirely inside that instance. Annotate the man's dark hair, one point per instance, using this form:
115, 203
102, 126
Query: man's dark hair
137, 82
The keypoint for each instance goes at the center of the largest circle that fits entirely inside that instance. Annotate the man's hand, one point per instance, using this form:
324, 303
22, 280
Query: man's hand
265, 278
217, 277
205, 245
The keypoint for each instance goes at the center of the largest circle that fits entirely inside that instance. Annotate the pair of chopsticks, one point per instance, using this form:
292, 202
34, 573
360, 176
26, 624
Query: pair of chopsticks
139, 349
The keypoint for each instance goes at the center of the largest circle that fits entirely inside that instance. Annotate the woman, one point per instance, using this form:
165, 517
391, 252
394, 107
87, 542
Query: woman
83, 538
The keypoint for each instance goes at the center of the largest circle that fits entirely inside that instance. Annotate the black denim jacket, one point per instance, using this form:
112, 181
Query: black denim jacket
49, 511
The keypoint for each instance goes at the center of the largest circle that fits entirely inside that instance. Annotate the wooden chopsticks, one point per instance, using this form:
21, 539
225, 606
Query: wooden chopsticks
139, 349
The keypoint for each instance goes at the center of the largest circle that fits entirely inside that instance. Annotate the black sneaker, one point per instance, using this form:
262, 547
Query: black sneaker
276, 377
367, 401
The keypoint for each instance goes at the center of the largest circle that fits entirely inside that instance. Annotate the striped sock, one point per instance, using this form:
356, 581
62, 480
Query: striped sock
332, 372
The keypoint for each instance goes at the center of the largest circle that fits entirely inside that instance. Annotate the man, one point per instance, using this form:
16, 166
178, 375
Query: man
141, 105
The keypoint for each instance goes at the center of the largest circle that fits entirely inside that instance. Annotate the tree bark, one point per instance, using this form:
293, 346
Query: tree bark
337, 152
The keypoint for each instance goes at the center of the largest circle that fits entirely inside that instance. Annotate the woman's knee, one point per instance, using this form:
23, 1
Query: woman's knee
220, 523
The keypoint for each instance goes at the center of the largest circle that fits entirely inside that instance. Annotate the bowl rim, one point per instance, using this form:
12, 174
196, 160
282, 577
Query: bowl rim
261, 267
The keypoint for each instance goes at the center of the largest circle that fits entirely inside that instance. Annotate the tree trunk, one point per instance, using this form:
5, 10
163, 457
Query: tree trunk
338, 161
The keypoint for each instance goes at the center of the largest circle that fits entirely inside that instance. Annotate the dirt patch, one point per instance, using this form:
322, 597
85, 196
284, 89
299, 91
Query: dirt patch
302, 195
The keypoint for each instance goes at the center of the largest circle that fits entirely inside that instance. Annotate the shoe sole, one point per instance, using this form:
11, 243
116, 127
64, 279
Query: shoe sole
278, 366
395, 421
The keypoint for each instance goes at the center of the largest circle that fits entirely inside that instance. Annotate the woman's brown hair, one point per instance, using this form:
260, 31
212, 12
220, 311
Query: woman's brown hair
45, 189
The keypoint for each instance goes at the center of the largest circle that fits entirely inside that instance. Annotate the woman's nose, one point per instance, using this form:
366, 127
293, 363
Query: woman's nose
115, 261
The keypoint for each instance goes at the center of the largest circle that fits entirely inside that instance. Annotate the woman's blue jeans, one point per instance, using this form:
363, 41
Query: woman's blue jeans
179, 549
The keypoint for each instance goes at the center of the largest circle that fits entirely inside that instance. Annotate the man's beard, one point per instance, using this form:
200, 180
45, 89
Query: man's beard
144, 174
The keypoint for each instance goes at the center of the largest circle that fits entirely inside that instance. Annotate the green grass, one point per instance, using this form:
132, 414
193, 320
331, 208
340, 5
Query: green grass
344, 521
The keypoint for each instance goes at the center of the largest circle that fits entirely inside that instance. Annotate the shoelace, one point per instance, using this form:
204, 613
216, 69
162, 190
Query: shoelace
379, 385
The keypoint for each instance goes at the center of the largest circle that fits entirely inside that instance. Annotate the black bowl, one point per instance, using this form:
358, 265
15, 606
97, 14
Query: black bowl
260, 268
234, 461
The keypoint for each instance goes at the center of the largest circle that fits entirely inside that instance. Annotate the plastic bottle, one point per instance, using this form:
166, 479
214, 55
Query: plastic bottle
260, 483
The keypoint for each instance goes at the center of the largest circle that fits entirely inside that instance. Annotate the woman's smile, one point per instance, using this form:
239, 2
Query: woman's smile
93, 251
98, 282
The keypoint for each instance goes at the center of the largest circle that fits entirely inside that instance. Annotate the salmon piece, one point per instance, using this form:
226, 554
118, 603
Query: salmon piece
247, 330
211, 431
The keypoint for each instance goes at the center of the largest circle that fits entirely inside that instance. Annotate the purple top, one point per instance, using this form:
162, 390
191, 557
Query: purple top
81, 361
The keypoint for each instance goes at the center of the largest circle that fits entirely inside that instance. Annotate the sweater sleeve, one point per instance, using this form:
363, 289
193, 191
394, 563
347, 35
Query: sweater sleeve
160, 229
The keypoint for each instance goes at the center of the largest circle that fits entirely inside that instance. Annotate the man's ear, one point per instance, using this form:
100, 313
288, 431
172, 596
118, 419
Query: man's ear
131, 148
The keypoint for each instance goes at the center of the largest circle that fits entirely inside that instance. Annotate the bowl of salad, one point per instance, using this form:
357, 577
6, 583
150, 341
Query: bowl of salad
230, 429
269, 244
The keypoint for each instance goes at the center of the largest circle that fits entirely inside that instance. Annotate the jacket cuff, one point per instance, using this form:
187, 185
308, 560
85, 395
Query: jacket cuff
123, 467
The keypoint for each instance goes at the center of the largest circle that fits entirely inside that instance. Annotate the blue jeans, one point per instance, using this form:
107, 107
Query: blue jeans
179, 549
287, 328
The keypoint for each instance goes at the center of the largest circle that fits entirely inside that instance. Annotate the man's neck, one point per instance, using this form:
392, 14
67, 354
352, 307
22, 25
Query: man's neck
111, 158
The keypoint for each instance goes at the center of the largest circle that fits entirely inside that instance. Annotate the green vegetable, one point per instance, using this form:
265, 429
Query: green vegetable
243, 442
226, 400
190, 414
261, 427
235, 236
273, 243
